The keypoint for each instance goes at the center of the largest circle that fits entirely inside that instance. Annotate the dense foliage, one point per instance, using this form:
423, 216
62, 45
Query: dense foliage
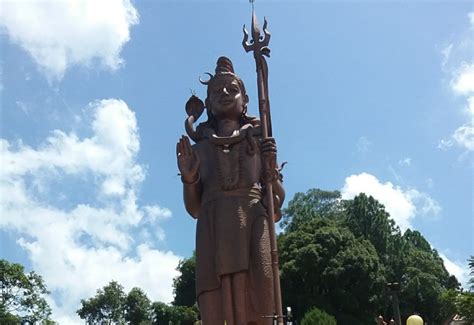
185, 284
176, 315
317, 317
111, 305
22, 296
108, 305
465, 301
338, 255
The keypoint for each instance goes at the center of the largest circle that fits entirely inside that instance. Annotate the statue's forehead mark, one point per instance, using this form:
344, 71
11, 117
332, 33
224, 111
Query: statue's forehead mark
223, 81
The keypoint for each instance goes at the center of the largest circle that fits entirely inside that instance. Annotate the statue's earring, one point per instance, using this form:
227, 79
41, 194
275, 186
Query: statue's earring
244, 111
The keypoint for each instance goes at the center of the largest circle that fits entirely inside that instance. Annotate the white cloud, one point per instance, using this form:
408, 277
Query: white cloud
464, 136
458, 269
470, 106
429, 182
403, 205
363, 144
446, 52
462, 84
424, 203
444, 144
405, 162
59, 34
80, 248
463, 81
22, 106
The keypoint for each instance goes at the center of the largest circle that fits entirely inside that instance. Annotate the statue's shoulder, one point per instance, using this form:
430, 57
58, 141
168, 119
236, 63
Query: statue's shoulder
200, 144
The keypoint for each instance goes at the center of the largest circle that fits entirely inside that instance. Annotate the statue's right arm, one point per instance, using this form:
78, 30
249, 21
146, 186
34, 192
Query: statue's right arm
192, 197
188, 164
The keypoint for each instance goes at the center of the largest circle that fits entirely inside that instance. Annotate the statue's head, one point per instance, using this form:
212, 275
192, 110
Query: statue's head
226, 95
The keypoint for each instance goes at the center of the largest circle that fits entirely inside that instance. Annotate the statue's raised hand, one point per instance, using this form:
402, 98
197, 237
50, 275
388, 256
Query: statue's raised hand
188, 161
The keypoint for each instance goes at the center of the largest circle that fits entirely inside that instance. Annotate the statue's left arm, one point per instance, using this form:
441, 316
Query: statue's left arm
271, 172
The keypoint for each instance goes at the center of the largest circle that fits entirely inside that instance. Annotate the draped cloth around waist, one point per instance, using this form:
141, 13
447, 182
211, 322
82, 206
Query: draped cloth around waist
254, 193
231, 236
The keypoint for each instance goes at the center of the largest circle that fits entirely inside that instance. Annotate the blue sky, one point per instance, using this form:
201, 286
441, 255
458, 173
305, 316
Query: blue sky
374, 97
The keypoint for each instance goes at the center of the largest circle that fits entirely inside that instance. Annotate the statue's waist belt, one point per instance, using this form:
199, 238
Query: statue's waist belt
253, 193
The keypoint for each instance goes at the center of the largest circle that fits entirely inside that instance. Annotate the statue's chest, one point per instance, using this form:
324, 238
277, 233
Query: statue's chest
231, 167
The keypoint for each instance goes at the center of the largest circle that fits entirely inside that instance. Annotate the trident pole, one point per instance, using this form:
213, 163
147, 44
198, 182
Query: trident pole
259, 46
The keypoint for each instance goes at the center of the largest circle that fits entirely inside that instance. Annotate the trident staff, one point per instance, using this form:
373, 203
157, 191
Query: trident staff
259, 46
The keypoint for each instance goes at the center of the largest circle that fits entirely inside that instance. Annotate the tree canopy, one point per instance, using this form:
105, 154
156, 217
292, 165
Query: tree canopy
111, 305
336, 254
185, 284
22, 296
325, 265
107, 306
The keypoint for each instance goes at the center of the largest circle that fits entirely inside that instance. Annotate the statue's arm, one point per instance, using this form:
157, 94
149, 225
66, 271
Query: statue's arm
278, 197
271, 171
188, 164
192, 197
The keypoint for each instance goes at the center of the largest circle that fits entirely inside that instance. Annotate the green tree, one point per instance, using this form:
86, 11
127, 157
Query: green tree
185, 284
465, 306
367, 218
324, 265
408, 259
137, 307
465, 300
22, 296
164, 314
424, 279
448, 307
318, 317
106, 307
313, 203
324, 237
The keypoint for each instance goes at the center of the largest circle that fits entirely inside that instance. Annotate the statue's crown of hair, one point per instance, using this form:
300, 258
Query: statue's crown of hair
224, 65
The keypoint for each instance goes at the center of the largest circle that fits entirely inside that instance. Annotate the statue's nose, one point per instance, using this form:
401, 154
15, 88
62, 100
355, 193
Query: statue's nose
225, 91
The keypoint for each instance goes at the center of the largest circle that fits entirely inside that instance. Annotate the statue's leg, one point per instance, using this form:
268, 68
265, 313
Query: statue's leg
260, 280
216, 305
210, 307
226, 299
239, 297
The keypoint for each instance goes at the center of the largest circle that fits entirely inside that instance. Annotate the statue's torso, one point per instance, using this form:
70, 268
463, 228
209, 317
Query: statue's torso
231, 205
228, 168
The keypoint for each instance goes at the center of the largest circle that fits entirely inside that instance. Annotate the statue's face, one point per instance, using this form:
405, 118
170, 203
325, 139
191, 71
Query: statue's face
225, 98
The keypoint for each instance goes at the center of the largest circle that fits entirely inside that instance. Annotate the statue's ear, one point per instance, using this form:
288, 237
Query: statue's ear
246, 99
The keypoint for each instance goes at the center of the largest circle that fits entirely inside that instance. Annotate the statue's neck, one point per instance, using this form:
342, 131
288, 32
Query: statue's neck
226, 127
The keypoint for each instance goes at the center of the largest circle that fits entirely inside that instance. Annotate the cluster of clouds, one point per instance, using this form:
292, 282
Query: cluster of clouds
60, 34
402, 204
459, 64
83, 247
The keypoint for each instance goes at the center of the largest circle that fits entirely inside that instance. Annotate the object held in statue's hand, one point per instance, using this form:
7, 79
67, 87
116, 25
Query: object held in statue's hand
194, 107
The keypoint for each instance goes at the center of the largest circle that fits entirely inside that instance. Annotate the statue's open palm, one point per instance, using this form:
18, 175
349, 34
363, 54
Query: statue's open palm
188, 161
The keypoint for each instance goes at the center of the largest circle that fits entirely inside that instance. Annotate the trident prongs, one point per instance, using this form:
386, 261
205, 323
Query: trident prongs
259, 43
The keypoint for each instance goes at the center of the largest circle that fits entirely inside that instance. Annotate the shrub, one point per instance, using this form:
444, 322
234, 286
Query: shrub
318, 317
